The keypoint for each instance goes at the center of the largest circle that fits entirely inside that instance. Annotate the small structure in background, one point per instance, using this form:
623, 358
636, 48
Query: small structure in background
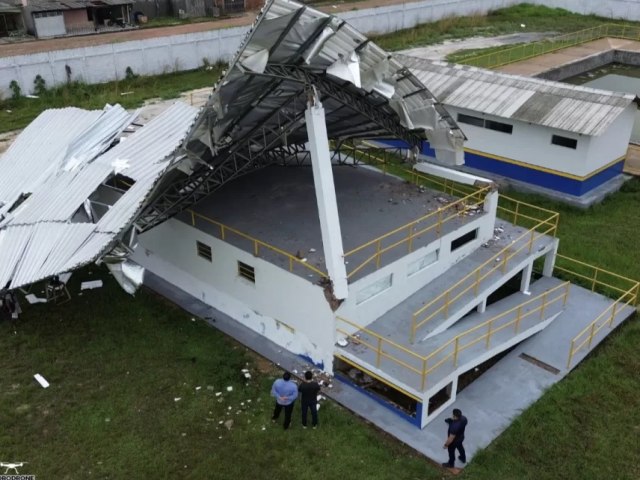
11, 23
50, 18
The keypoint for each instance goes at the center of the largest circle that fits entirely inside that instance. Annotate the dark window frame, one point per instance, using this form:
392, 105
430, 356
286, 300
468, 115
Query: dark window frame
204, 251
566, 142
471, 120
246, 271
463, 240
498, 126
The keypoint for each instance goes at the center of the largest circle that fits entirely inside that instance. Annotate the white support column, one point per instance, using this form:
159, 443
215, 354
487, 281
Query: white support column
550, 260
326, 197
526, 278
482, 306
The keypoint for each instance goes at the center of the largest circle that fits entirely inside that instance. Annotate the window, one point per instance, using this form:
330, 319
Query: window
422, 263
468, 119
246, 271
564, 141
204, 251
489, 124
464, 239
498, 126
374, 289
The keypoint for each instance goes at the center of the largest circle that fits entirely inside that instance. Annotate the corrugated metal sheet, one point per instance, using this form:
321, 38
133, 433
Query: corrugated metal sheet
571, 108
289, 33
43, 236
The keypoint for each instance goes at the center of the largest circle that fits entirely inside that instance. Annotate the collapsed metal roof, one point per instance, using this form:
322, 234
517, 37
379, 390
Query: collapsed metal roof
571, 108
255, 115
67, 198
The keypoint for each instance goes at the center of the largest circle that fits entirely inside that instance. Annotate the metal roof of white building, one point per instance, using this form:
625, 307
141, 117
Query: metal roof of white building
571, 108
56, 211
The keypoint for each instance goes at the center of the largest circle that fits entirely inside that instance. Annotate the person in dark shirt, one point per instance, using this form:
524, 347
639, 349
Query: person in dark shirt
309, 390
455, 437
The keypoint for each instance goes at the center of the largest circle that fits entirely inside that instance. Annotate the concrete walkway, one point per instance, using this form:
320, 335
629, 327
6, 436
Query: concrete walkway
542, 63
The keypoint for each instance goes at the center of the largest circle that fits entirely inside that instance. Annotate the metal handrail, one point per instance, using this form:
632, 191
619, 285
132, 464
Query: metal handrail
630, 295
521, 52
507, 253
423, 360
224, 229
411, 233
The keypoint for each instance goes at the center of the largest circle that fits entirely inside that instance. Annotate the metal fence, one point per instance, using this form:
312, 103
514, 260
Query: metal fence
529, 50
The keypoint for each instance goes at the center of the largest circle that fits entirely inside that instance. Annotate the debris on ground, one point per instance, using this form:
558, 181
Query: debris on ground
229, 389
228, 424
41, 380
343, 342
91, 285
31, 298
177, 399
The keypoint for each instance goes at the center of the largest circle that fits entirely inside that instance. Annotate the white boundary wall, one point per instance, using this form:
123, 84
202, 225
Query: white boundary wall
103, 63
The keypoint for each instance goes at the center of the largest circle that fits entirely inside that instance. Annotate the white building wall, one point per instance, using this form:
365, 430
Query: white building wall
403, 284
528, 143
614, 143
169, 250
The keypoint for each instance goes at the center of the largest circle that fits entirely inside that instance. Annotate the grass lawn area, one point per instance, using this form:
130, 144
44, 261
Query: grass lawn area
536, 18
18, 113
116, 364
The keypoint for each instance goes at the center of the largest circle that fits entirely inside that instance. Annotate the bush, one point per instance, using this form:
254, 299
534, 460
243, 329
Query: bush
39, 85
16, 91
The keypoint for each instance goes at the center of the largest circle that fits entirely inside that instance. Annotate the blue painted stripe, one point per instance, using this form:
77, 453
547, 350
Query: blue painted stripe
529, 175
414, 420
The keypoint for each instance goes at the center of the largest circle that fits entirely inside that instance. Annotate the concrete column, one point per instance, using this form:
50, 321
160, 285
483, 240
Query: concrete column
550, 260
526, 278
326, 197
483, 306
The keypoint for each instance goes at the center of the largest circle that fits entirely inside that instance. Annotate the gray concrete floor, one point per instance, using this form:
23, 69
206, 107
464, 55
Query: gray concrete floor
491, 403
277, 205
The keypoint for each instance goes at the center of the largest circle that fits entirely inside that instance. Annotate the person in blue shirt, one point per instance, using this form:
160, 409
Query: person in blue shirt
455, 436
285, 392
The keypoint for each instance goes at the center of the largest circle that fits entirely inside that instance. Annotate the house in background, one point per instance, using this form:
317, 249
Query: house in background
10, 19
566, 141
50, 18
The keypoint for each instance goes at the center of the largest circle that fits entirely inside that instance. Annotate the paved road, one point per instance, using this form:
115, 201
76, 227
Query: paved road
36, 46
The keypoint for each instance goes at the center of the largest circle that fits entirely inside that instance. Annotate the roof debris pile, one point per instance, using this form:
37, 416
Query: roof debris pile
68, 196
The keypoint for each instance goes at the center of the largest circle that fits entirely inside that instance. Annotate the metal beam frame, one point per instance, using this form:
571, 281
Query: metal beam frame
263, 144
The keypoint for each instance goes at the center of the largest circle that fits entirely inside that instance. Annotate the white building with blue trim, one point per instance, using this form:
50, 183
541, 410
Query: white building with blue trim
565, 138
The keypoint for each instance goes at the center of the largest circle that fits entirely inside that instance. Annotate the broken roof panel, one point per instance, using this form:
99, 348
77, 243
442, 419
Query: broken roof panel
72, 215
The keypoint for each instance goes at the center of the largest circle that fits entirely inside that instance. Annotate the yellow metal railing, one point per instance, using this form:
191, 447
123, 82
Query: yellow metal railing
226, 231
472, 198
434, 222
425, 365
534, 49
472, 281
626, 292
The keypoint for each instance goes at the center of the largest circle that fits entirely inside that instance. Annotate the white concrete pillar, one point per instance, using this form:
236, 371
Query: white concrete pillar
326, 197
482, 306
526, 278
550, 260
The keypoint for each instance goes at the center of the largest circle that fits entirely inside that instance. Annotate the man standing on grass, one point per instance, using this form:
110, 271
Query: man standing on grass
455, 437
285, 391
309, 390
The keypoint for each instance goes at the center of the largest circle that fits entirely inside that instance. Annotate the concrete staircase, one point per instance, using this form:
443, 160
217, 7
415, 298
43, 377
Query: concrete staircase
403, 364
